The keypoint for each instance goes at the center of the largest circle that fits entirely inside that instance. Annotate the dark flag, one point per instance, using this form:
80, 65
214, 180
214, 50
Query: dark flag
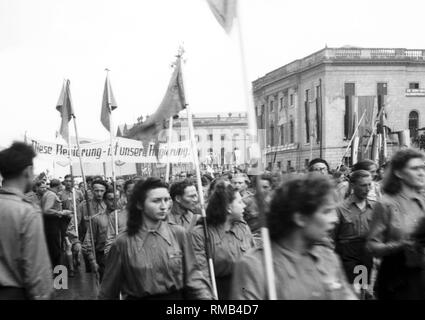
64, 106
173, 102
108, 104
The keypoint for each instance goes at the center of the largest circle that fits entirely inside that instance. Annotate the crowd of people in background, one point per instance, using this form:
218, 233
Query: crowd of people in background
346, 233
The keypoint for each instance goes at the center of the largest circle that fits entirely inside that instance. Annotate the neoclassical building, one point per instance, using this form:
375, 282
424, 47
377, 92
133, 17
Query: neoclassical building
221, 138
309, 107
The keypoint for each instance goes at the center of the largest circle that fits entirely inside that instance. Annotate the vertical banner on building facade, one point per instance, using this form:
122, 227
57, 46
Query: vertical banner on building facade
404, 138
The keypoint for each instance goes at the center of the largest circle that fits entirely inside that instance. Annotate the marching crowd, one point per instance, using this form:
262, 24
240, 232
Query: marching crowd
350, 233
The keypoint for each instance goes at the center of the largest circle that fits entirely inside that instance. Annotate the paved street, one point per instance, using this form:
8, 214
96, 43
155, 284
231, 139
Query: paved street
81, 287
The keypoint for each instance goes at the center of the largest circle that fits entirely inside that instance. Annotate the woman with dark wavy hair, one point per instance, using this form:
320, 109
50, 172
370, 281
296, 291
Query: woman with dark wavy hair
229, 235
302, 213
394, 225
153, 259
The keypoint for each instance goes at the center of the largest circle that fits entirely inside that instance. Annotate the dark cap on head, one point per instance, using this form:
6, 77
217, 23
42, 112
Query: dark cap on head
318, 160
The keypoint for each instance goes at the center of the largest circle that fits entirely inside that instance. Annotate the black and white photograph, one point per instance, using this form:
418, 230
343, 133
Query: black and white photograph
216, 150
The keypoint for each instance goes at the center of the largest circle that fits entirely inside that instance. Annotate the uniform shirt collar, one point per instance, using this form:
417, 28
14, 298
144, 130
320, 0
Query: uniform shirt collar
162, 231
178, 210
222, 230
13, 190
352, 201
411, 194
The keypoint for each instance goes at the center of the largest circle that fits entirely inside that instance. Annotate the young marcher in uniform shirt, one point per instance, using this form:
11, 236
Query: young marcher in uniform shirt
229, 236
97, 205
351, 230
103, 226
154, 258
302, 213
185, 201
26, 271
393, 226
56, 221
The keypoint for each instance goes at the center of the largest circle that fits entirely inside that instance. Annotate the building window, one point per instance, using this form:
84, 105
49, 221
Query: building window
222, 156
262, 122
288, 166
182, 137
272, 134
282, 134
281, 103
223, 137
413, 85
271, 106
349, 92
413, 124
210, 151
307, 116
318, 112
291, 131
381, 92
197, 138
291, 99
306, 161
279, 164
210, 137
199, 153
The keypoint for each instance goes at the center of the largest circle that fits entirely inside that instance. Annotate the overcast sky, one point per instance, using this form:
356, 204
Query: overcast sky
44, 41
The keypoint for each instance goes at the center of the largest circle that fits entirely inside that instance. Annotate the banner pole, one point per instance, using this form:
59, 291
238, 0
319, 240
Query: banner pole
200, 190
86, 196
257, 155
74, 203
112, 138
170, 134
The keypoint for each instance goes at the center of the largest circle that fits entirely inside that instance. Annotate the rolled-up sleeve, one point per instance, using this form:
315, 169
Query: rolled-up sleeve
111, 283
198, 241
195, 283
377, 242
48, 204
36, 266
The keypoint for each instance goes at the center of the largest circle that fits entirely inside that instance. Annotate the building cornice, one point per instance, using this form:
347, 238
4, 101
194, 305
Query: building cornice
342, 57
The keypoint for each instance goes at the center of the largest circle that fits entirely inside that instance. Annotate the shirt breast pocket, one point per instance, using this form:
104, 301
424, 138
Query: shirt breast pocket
347, 225
175, 261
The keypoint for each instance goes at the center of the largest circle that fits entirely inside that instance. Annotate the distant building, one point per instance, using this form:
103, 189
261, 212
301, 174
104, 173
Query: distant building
221, 138
308, 108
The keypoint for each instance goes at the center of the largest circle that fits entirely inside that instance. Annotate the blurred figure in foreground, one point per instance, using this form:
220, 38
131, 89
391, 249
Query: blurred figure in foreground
302, 214
393, 226
25, 267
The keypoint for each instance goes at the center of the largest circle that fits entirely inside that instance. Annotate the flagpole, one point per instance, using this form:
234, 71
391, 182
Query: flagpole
170, 134
351, 140
252, 125
112, 136
86, 196
74, 204
373, 134
199, 184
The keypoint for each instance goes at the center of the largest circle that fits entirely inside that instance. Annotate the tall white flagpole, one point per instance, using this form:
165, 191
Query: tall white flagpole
252, 125
199, 184
170, 134
74, 203
112, 138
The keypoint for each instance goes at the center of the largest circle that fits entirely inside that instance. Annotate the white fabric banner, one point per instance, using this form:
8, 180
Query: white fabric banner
125, 151
180, 152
